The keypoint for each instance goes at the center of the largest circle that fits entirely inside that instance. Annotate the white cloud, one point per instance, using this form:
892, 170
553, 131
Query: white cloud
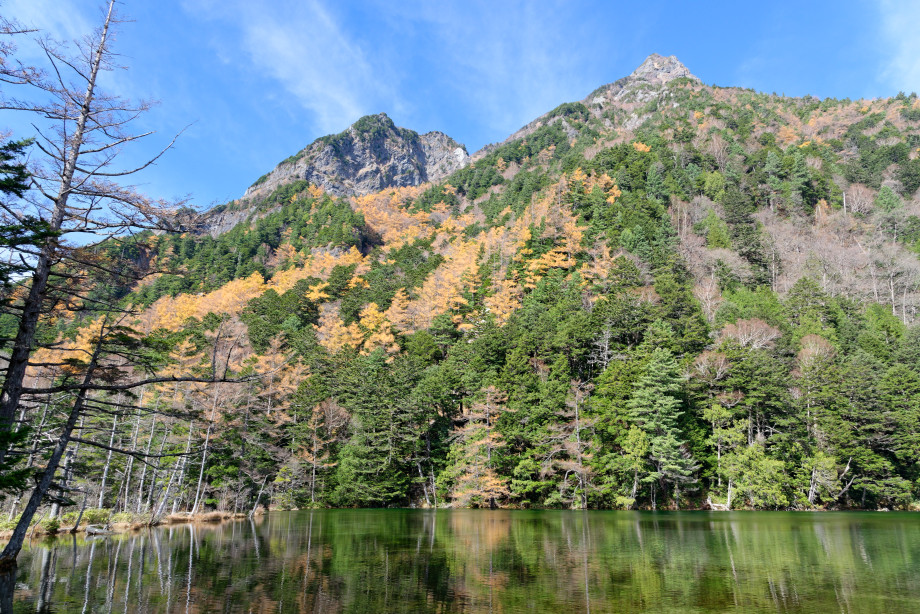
899, 28
507, 62
60, 19
301, 45
511, 61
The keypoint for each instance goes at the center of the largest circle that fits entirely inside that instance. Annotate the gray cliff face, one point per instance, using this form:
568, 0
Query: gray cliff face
644, 82
371, 155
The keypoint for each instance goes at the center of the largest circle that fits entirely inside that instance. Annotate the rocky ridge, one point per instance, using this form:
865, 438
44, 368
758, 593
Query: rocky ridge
371, 155
374, 154
645, 83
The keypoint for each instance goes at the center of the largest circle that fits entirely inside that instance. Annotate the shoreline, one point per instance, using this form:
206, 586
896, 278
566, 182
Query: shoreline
90, 529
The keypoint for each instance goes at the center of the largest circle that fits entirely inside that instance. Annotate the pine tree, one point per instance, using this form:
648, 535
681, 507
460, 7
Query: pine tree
655, 408
375, 464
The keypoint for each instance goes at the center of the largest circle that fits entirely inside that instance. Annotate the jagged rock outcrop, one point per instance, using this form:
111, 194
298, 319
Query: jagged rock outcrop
371, 155
644, 82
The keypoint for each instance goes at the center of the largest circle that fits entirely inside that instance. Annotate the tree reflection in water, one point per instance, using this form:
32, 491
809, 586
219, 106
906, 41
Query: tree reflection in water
483, 561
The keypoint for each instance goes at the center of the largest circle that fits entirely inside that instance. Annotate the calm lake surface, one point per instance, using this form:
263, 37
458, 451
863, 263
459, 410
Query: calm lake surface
486, 561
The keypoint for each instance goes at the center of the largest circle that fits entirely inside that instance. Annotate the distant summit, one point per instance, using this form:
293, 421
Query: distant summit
374, 154
659, 70
371, 155
654, 73
645, 83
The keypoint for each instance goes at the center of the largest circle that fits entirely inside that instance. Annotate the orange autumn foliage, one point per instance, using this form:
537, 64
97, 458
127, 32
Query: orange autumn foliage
641, 147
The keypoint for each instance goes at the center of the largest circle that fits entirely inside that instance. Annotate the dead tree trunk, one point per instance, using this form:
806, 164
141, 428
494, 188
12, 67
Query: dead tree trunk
12, 389
9, 554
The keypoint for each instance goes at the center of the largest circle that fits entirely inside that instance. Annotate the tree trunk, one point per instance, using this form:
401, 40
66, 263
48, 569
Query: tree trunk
130, 468
108, 462
635, 487
31, 459
188, 449
68, 463
156, 470
313, 471
9, 554
76, 524
204, 454
812, 489
159, 508
140, 488
258, 496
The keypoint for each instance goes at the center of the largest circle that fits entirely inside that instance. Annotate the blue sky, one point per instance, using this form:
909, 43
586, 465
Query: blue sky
257, 81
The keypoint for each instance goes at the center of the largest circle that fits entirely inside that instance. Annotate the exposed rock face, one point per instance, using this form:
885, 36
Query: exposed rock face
372, 155
643, 83
219, 220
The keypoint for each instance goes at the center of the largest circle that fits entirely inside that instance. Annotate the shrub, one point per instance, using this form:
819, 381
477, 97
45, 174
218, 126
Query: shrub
51, 525
122, 517
90, 516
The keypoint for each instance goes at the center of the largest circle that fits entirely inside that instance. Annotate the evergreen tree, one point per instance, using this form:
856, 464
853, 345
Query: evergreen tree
375, 463
655, 408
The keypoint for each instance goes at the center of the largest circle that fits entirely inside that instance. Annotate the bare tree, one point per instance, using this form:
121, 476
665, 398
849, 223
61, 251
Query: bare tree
75, 196
74, 192
754, 333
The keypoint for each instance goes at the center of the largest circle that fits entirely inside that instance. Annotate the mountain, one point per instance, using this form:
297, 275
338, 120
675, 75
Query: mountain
643, 84
666, 294
371, 155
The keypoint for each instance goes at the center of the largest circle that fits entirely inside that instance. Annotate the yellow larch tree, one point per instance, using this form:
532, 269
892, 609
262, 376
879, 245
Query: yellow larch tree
315, 191
641, 147
172, 312
387, 213
332, 333
398, 312
279, 376
443, 290
317, 292
504, 301
474, 480
377, 330
599, 263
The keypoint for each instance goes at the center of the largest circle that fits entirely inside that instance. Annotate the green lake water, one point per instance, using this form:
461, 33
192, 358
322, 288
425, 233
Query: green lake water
486, 561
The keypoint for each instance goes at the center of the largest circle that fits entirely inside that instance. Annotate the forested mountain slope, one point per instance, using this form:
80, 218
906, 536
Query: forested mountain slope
668, 294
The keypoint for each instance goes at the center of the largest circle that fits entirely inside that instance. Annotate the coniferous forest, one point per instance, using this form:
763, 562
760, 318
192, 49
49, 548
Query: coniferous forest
670, 295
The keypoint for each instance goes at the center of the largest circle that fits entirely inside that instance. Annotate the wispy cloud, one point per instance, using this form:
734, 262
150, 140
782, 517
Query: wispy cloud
304, 48
510, 61
63, 20
503, 62
899, 29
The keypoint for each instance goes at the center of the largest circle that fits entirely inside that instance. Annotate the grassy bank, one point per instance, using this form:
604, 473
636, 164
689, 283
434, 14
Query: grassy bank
110, 521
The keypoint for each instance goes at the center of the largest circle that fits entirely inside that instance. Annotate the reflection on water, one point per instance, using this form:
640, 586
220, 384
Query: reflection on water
484, 561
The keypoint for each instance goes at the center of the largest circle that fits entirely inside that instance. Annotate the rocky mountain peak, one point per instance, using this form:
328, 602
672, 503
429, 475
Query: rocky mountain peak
659, 69
643, 84
371, 155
